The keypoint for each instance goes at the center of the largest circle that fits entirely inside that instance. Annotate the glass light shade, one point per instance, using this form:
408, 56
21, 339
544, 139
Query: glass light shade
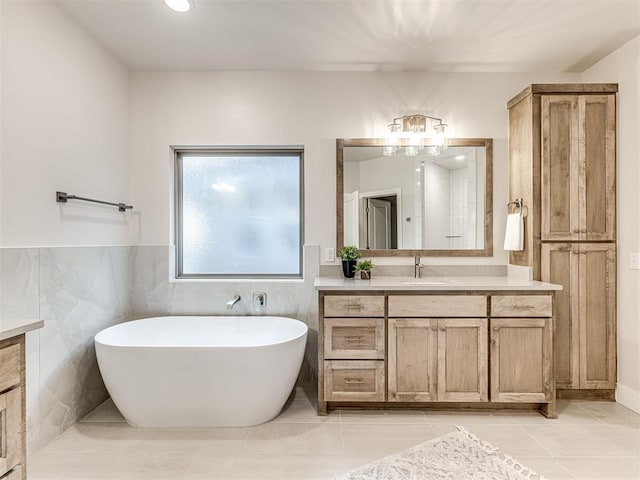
411, 150
391, 148
181, 6
440, 139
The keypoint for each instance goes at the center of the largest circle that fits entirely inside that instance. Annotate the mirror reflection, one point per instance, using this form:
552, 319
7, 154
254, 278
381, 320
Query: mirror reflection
426, 203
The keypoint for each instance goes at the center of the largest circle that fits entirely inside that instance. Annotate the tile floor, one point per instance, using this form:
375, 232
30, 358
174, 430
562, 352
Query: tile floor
589, 440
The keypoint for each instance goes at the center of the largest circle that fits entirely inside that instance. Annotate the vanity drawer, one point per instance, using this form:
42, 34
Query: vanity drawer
437, 306
354, 338
521, 306
354, 306
10, 429
354, 380
9, 366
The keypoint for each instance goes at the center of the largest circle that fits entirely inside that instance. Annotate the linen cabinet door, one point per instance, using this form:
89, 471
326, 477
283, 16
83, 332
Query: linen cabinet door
412, 359
560, 168
521, 360
597, 316
560, 265
462, 360
597, 134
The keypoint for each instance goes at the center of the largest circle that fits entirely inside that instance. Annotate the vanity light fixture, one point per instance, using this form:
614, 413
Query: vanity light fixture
181, 6
414, 132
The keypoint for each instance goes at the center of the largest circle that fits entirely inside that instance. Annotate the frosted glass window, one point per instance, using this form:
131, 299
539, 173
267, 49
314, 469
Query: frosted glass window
239, 213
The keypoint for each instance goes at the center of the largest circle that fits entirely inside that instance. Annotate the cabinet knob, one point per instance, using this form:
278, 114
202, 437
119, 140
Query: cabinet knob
435, 329
442, 329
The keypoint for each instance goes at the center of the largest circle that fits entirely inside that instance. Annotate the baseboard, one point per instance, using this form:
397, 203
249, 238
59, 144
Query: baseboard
628, 397
595, 394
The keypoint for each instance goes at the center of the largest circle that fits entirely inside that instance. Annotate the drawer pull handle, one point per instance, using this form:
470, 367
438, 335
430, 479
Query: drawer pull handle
354, 338
524, 307
353, 381
495, 329
355, 305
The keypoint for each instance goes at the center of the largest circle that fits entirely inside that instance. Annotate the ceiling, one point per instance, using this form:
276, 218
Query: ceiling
361, 35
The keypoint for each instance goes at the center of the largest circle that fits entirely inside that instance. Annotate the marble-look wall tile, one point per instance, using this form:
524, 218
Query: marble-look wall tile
19, 283
153, 294
82, 291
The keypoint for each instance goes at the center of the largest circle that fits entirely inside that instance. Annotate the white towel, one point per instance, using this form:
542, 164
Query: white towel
514, 234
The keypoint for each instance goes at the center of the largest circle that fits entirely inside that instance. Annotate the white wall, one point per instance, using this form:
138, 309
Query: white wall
313, 109
65, 126
623, 67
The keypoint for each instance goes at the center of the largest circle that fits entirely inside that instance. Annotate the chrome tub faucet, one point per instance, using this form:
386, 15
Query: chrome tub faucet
233, 301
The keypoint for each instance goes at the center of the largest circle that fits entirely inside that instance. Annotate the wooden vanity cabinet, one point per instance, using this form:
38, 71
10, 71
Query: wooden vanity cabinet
437, 359
12, 409
353, 348
416, 349
521, 335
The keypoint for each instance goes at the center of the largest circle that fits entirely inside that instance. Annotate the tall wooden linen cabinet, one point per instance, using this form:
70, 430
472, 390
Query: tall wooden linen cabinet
562, 163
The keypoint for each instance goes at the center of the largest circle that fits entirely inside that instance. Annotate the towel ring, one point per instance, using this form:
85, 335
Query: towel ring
518, 203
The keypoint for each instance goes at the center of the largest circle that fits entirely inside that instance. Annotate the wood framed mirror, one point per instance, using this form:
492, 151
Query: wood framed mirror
426, 204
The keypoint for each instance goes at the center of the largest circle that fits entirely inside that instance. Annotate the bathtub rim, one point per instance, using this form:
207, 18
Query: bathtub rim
303, 333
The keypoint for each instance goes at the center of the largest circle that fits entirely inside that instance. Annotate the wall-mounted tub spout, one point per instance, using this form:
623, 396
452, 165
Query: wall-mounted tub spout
233, 301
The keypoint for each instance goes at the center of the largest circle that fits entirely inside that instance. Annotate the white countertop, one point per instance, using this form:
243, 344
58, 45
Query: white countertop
12, 328
433, 284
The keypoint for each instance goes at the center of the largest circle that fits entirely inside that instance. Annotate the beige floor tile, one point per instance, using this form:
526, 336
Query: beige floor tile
548, 467
302, 409
384, 439
183, 467
100, 437
382, 416
568, 414
74, 466
298, 467
458, 417
587, 440
603, 468
295, 438
510, 439
106, 412
195, 441
611, 413
357, 460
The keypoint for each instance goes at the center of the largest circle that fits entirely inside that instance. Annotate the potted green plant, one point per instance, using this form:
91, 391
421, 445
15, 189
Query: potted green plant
364, 267
350, 255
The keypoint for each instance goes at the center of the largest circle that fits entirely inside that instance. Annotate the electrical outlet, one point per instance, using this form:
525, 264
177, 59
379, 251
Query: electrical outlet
634, 261
330, 254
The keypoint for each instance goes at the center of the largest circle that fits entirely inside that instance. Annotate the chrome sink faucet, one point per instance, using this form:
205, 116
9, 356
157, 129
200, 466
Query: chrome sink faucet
233, 301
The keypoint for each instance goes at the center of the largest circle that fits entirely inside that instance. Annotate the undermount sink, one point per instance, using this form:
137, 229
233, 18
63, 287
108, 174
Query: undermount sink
418, 281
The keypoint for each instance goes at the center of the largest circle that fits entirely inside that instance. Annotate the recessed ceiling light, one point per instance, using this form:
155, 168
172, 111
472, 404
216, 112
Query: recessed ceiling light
179, 5
459, 157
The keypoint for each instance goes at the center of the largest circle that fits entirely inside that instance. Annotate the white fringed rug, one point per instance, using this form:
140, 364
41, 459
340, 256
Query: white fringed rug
458, 455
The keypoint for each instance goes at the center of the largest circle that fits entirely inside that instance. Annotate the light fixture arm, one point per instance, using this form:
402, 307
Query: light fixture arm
414, 128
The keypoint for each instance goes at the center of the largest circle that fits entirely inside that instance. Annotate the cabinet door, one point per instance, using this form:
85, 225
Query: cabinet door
10, 430
560, 167
412, 357
597, 299
560, 265
596, 150
462, 360
521, 360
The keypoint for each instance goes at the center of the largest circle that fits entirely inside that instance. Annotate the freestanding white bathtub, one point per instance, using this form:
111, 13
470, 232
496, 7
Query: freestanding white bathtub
201, 371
